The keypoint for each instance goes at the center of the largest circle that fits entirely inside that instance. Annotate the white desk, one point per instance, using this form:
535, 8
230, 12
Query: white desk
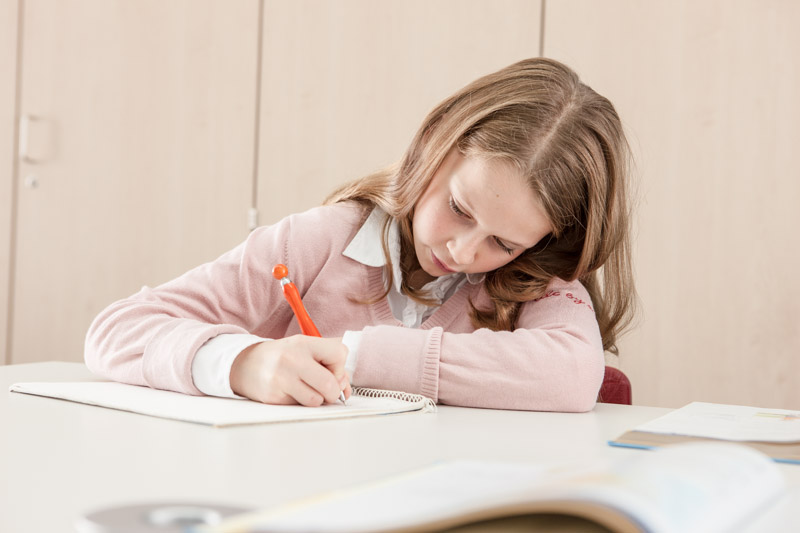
59, 460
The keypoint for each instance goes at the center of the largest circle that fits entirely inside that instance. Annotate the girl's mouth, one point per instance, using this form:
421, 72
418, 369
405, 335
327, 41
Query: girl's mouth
441, 265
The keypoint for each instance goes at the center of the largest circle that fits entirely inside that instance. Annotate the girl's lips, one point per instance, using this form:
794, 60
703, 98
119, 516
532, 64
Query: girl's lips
441, 265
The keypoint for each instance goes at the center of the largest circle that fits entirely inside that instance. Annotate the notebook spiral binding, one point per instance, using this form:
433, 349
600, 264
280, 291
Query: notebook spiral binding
428, 404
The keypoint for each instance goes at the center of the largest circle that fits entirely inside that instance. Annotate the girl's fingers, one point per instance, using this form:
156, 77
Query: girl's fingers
321, 379
304, 394
329, 352
306, 370
347, 390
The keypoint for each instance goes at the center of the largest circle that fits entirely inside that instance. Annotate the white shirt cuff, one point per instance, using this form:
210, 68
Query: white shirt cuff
211, 367
351, 339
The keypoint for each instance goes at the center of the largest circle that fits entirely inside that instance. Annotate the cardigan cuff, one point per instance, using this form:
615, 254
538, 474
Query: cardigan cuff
400, 359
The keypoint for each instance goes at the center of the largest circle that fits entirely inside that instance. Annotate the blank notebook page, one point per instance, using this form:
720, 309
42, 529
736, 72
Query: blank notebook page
218, 411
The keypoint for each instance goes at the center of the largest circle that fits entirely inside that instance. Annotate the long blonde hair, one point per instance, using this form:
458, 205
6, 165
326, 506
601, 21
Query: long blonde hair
568, 142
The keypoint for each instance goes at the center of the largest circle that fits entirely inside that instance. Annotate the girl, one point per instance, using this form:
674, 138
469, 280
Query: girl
470, 272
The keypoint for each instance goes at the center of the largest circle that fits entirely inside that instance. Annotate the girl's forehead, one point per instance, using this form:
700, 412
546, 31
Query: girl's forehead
498, 197
488, 175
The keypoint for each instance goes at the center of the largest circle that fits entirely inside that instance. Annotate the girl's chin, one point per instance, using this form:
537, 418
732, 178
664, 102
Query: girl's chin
430, 269
420, 278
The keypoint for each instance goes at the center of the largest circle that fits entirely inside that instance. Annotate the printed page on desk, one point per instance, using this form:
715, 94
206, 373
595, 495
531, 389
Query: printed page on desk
691, 488
221, 411
729, 422
775, 432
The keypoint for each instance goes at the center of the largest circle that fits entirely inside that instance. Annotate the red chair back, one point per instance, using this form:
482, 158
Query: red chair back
616, 387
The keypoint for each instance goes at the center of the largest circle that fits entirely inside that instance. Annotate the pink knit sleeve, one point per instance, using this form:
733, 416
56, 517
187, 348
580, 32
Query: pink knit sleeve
151, 337
553, 362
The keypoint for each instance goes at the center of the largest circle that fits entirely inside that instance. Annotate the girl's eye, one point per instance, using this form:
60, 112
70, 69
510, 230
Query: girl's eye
455, 209
503, 247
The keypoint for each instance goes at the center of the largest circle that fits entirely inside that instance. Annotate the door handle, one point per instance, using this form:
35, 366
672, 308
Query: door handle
36, 139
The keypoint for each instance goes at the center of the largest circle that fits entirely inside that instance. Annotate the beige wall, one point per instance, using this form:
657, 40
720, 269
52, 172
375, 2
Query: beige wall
142, 148
8, 67
345, 84
709, 93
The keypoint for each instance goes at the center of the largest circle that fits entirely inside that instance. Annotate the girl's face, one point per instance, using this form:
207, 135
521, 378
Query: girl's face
475, 216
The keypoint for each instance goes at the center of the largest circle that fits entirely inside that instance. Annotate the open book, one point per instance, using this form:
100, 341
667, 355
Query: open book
222, 411
701, 487
775, 432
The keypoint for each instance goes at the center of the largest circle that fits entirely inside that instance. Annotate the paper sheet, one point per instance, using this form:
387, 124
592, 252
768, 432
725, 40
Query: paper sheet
206, 409
728, 422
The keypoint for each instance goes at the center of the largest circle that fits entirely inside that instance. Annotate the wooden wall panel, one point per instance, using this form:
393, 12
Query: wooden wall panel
708, 91
8, 78
346, 84
142, 150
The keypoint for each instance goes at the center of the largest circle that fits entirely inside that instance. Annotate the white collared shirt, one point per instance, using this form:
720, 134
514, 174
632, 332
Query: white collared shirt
366, 248
211, 366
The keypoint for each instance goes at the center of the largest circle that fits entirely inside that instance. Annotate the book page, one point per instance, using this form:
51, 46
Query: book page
687, 488
728, 422
207, 409
430, 495
693, 487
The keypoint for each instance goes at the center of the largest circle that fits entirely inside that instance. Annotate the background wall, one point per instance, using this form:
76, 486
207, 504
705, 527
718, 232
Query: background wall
261, 108
708, 90
137, 121
346, 84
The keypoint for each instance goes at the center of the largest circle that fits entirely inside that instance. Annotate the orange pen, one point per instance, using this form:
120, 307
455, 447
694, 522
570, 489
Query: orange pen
281, 273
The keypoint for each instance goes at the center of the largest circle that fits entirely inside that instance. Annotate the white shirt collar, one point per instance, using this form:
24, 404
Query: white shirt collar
366, 247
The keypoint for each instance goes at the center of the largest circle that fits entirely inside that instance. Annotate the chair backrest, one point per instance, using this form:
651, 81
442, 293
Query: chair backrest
616, 387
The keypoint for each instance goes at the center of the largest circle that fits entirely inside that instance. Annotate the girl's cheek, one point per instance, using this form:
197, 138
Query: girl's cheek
440, 227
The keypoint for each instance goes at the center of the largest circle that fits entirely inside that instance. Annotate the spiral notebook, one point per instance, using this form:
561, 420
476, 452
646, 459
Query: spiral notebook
222, 412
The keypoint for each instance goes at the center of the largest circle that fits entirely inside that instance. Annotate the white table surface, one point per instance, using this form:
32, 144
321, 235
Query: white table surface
59, 459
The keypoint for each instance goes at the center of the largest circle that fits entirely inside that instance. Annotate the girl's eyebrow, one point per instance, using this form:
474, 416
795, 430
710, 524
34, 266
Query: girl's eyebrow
468, 210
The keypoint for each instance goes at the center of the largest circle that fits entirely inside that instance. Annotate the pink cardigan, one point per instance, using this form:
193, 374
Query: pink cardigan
553, 361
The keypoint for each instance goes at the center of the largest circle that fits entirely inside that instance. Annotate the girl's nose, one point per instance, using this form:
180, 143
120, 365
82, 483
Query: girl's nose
463, 249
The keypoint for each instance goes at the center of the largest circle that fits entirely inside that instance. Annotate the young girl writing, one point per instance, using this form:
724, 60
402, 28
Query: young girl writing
470, 272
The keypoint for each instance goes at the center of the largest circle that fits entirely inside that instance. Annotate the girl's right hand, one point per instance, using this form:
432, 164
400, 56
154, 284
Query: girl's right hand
299, 369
